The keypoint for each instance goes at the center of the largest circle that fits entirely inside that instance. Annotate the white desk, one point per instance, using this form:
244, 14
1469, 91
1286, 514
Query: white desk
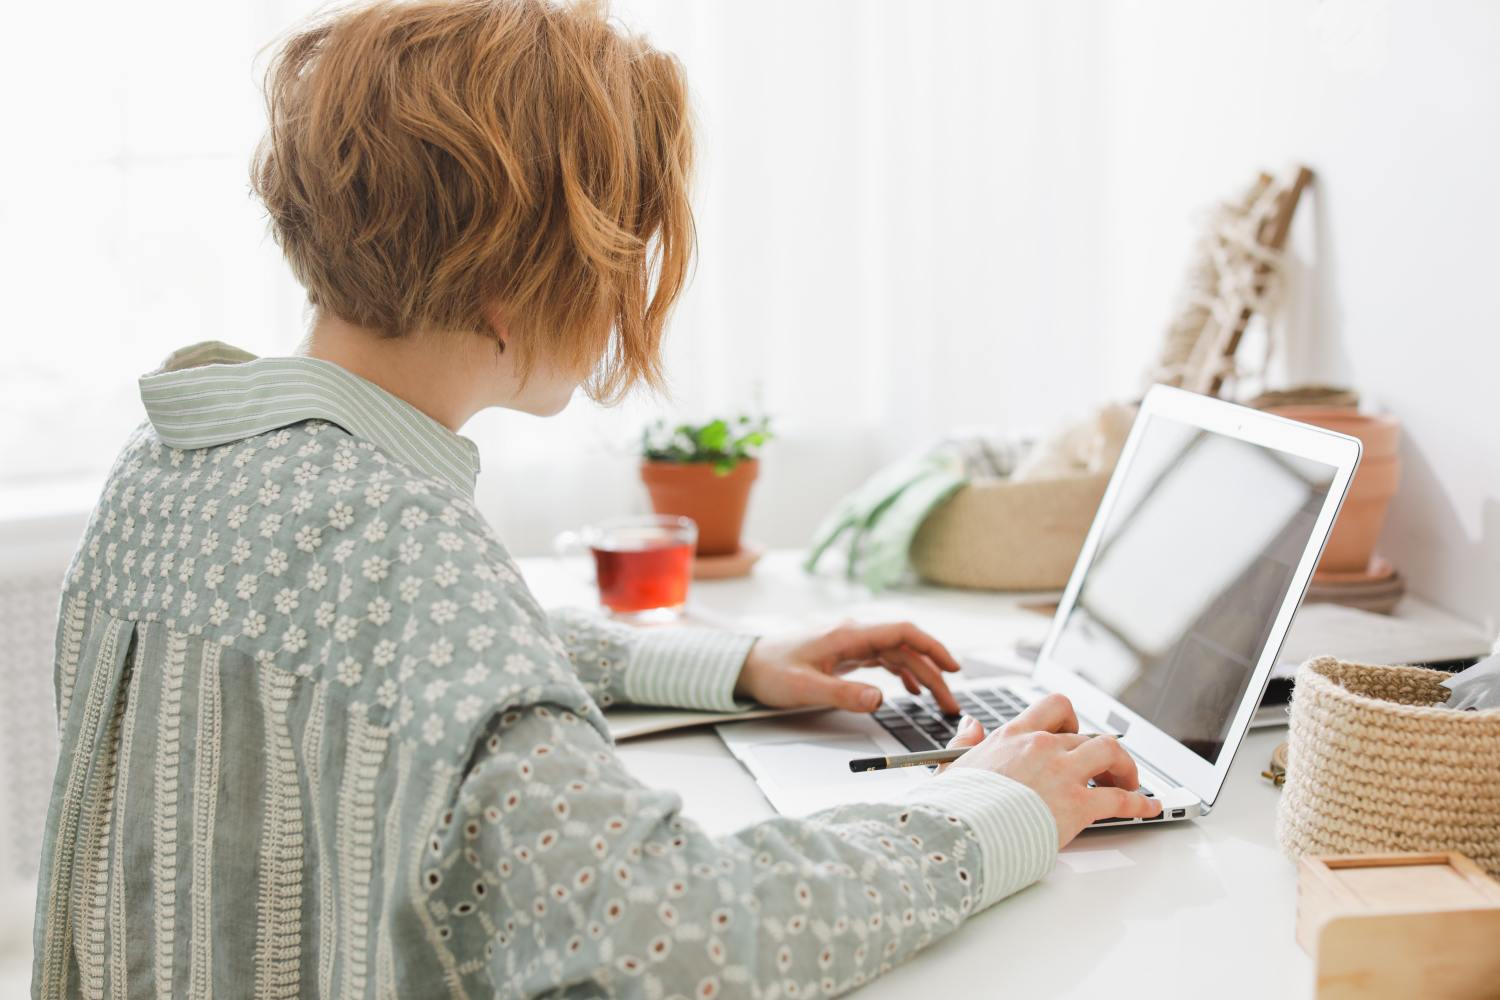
1208, 905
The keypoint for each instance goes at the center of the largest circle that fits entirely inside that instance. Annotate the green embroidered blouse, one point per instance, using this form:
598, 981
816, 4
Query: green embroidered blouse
320, 740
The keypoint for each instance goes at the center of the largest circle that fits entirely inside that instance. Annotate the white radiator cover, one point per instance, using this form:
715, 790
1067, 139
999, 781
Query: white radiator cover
34, 556
28, 731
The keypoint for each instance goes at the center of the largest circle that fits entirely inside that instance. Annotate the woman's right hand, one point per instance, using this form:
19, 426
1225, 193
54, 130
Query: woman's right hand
1042, 750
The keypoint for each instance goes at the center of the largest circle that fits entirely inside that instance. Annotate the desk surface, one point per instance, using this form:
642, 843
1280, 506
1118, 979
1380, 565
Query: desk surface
1209, 904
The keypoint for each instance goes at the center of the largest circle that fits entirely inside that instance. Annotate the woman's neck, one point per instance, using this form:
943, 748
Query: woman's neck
449, 381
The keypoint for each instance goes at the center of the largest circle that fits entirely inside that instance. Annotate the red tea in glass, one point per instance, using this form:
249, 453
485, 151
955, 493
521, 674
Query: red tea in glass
643, 565
651, 578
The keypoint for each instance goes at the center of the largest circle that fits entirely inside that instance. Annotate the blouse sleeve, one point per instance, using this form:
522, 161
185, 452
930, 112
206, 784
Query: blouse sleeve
556, 869
668, 667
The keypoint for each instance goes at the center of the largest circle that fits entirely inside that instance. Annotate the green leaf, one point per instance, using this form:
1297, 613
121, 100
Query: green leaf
723, 441
714, 436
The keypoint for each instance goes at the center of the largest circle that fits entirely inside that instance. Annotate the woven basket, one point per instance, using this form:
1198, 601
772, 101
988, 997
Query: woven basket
1002, 534
1374, 767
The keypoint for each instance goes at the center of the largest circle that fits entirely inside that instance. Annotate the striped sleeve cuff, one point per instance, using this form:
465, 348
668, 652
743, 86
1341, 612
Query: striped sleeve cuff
687, 668
1016, 832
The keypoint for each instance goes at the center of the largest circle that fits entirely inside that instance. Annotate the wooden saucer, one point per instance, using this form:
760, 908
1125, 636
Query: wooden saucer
1380, 570
728, 567
1379, 589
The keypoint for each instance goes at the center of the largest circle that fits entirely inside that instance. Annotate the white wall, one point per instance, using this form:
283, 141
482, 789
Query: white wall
1395, 107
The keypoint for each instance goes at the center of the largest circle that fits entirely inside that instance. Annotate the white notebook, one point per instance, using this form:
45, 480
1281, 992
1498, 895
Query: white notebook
1365, 637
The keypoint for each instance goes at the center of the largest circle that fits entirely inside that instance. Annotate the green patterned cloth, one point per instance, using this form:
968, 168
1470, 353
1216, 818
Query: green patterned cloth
880, 519
878, 522
318, 739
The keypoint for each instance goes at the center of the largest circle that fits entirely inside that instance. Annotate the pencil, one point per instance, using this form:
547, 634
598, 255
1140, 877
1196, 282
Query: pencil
922, 758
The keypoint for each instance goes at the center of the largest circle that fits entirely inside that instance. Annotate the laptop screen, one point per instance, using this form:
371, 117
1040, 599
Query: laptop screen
1191, 568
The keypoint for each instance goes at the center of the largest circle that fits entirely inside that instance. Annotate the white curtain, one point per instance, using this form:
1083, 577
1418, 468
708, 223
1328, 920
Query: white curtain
896, 206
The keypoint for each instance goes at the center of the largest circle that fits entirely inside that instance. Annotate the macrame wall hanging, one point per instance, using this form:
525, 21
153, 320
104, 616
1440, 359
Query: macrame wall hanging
1235, 274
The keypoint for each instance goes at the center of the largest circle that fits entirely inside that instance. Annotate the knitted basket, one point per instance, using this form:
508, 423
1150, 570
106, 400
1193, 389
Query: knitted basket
1003, 534
1372, 766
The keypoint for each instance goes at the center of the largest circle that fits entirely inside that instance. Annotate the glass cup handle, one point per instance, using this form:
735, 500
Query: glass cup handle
568, 546
568, 543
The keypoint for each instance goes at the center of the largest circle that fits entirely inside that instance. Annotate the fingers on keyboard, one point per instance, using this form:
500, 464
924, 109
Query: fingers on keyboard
918, 723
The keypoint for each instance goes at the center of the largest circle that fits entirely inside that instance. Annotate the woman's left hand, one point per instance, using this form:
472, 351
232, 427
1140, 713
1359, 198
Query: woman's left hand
805, 671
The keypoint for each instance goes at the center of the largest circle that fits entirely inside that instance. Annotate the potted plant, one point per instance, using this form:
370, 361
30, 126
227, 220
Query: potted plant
705, 471
1351, 545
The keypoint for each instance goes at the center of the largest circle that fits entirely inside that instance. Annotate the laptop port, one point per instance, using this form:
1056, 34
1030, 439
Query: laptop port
1178, 813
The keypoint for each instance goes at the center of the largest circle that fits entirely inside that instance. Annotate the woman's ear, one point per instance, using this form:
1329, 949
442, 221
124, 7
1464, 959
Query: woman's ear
499, 330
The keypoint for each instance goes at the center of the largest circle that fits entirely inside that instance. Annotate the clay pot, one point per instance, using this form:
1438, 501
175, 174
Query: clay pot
1352, 543
693, 489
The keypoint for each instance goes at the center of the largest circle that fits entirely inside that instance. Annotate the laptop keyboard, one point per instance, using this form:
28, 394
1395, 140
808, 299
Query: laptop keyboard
918, 723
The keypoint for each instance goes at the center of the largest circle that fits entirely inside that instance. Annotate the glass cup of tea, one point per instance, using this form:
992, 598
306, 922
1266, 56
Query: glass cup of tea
643, 564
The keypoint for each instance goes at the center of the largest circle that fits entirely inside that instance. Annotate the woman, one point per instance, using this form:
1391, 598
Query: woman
318, 738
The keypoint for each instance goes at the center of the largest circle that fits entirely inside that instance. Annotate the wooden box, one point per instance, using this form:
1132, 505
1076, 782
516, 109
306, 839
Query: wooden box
1400, 925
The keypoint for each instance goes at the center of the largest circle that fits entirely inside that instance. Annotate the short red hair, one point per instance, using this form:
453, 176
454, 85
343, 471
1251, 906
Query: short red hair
427, 160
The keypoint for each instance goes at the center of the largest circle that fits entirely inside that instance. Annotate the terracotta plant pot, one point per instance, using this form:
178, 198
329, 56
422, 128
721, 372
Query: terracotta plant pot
693, 489
1352, 543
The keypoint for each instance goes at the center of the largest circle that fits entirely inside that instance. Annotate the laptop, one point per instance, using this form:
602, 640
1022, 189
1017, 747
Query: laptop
1197, 559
